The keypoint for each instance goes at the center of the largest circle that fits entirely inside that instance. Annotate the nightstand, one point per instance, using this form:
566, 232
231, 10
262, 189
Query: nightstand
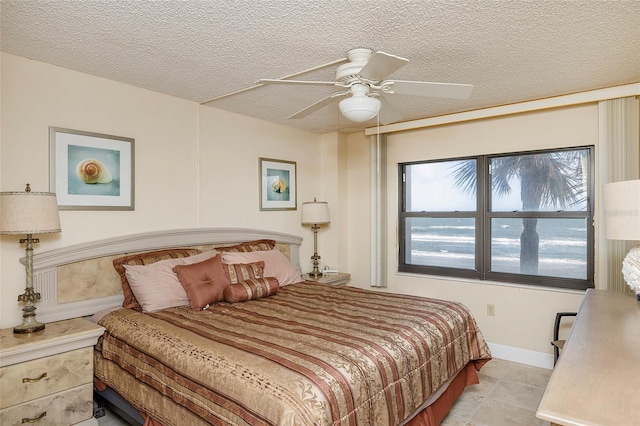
340, 278
47, 377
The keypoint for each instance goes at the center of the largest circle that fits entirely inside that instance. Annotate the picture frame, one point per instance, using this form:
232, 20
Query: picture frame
278, 184
91, 171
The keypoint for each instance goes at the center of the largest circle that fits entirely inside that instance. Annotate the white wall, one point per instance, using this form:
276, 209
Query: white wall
524, 315
187, 159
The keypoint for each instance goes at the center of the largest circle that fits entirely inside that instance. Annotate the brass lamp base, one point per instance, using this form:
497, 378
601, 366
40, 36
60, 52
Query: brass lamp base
29, 322
28, 327
315, 273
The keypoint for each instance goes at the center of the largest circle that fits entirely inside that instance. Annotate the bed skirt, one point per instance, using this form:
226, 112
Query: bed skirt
432, 415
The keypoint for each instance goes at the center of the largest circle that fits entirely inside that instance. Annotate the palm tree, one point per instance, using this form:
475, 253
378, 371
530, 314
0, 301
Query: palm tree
546, 180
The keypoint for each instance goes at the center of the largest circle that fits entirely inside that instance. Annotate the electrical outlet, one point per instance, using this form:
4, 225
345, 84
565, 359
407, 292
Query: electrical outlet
491, 310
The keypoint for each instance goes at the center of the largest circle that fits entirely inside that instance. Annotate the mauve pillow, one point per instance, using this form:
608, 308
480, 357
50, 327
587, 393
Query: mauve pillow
251, 289
276, 264
204, 282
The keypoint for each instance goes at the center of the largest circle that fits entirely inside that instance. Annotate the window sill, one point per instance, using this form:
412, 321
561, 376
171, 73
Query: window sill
492, 283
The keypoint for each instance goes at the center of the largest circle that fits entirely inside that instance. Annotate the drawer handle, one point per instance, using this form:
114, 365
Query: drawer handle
37, 379
34, 419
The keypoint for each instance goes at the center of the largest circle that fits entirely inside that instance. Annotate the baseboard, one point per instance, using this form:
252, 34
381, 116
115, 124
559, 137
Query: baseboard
523, 356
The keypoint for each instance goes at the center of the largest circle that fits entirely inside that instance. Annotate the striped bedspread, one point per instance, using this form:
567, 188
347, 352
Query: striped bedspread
310, 355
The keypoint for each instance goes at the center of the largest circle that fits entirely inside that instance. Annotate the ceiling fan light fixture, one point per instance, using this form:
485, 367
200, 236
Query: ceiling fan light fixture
365, 74
359, 108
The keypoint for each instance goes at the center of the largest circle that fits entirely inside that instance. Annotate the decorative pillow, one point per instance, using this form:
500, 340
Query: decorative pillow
204, 281
276, 264
155, 286
256, 245
239, 272
251, 289
149, 258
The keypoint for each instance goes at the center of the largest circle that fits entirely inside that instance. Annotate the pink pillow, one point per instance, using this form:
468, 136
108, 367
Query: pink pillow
251, 289
204, 282
276, 264
146, 258
156, 286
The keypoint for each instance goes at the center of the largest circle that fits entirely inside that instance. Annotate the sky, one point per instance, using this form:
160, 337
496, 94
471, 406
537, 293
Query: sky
443, 194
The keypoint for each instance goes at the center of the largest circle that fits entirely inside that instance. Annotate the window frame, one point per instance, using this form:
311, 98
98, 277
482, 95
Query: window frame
483, 216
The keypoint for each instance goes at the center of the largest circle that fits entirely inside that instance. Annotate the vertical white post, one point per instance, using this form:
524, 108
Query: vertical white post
378, 178
619, 123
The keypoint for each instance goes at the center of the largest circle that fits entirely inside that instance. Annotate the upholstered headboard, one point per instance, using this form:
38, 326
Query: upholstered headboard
80, 280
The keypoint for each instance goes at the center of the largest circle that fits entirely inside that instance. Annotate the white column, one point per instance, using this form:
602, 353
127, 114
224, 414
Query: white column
620, 142
378, 178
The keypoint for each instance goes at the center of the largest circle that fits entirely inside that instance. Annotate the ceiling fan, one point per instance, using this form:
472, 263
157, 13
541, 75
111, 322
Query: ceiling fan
364, 78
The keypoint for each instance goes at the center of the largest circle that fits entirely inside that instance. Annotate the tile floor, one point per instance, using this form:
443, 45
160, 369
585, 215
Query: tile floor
508, 395
111, 420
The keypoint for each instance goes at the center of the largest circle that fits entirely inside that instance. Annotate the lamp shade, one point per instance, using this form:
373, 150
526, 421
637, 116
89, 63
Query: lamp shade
315, 213
359, 108
29, 213
621, 202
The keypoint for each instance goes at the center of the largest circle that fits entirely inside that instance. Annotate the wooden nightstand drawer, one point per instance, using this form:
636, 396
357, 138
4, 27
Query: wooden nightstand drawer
63, 408
44, 376
50, 372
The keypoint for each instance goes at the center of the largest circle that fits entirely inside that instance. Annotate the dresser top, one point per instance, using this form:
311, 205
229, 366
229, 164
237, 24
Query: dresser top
57, 337
597, 377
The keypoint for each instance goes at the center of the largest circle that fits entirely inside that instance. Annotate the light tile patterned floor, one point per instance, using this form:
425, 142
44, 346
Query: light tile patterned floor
508, 395
111, 420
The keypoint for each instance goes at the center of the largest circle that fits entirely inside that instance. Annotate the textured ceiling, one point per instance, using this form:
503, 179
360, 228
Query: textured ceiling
509, 50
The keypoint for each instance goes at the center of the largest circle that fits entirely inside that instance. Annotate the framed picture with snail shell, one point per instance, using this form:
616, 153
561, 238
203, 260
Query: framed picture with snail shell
277, 184
91, 171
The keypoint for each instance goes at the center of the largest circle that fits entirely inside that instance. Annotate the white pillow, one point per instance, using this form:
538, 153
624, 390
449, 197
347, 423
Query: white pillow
156, 286
276, 264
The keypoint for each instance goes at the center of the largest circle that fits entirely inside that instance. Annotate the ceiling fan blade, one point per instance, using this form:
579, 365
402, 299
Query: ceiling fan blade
277, 81
426, 88
388, 114
316, 106
381, 65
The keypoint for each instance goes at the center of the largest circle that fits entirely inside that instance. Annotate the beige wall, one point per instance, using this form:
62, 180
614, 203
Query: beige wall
188, 157
230, 147
524, 315
36, 96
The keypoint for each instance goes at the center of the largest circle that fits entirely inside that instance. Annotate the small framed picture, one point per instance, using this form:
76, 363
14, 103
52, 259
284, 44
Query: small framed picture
277, 184
91, 171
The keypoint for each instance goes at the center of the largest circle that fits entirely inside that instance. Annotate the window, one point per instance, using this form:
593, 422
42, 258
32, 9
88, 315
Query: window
521, 217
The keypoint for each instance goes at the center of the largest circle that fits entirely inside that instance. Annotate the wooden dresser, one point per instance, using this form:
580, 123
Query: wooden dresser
46, 378
597, 378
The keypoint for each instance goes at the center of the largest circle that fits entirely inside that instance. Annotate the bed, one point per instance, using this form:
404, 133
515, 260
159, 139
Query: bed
277, 351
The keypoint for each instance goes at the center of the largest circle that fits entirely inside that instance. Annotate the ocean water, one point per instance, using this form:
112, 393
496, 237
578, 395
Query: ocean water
451, 243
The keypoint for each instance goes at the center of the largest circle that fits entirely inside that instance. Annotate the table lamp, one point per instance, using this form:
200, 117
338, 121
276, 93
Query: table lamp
29, 213
315, 213
622, 222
